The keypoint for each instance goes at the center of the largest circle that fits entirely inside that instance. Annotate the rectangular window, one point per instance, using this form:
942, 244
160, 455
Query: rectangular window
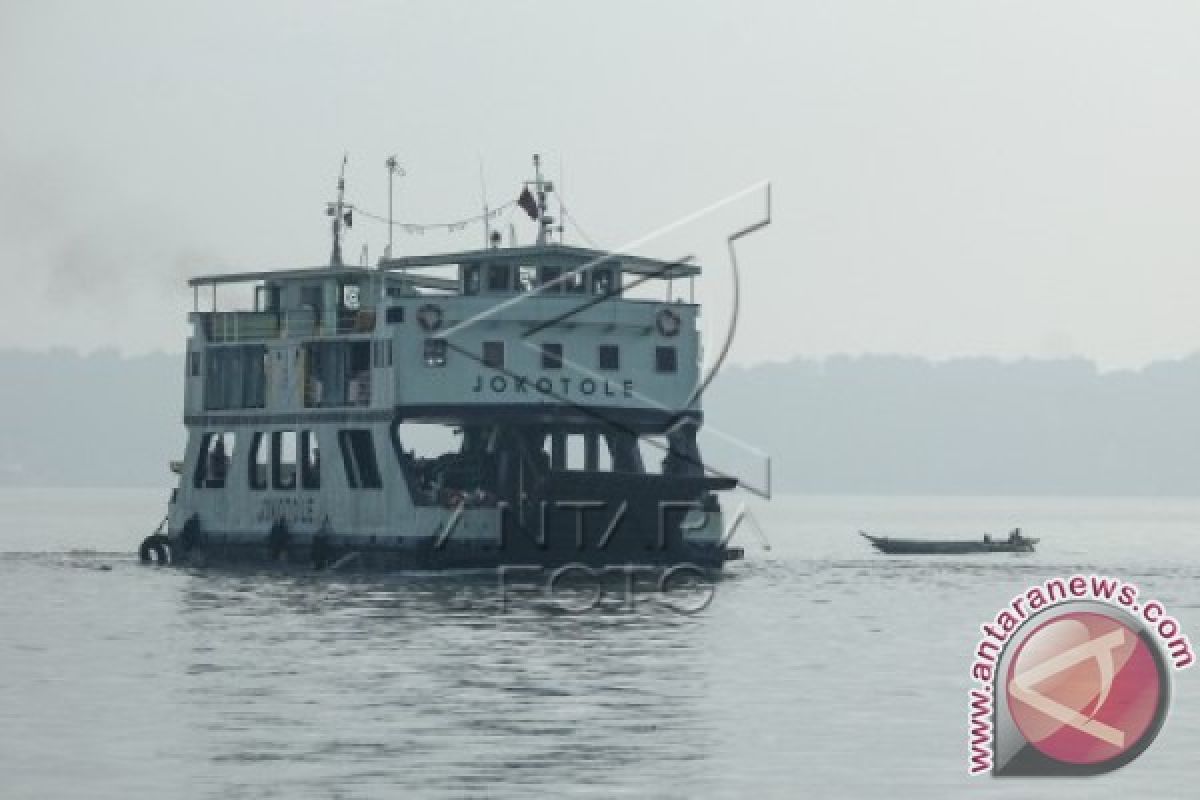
310, 461
493, 355
283, 460
550, 279
576, 281
602, 282
358, 457
610, 357
665, 359
212, 462
435, 352
471, 279
526, 278
396, 291
552, 355
193, 363
337, 374
394, 315
235, 377
499, 278
259, 461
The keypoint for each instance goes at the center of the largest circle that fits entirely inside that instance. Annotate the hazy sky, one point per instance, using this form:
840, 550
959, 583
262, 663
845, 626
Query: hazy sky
950, 178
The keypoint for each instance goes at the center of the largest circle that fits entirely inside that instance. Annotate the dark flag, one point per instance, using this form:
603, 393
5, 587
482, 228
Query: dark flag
527, 202
349, 218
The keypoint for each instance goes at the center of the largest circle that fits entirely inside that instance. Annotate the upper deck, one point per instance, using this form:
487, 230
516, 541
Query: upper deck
543, 332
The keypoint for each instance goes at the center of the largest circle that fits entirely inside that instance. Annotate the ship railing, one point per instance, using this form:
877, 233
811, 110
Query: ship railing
250, 326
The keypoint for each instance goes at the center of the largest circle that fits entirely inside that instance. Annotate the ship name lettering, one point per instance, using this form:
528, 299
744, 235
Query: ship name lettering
520, 384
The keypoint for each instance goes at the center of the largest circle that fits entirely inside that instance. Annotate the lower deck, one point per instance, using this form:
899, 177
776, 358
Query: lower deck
407, 494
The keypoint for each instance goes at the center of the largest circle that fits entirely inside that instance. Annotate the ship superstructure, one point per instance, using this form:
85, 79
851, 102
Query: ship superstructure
500, 405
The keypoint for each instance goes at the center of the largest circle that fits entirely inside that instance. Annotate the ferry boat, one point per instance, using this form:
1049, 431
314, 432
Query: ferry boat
569, 408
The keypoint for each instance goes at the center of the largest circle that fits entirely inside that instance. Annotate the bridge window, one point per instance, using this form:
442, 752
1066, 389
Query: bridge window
212, 463
576, 281
526, 278
493, 355
602, 282
435, 352
552, 355
499, 278
394, 315
666, 359
550, 279
471, 279
193, 363
610, 357
358, 457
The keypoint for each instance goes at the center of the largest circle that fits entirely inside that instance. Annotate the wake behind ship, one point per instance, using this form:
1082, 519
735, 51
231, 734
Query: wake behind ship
567, 409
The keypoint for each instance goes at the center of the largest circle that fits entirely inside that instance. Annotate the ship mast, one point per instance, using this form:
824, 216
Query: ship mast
336, 210
541, 187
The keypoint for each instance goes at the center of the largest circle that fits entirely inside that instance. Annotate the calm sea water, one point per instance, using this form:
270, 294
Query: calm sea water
819, 669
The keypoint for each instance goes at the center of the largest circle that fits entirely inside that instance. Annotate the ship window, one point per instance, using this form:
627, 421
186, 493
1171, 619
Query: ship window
550, 279
552, 355
193, 363
212, 462
493, 355
266, 298
236, 377
666, 359
435, 352
283, 460
471, 279
610, 357
395, 291
394, 315
337, 374
576, 281
358, 457
259, 462
602, 282
310, 461
526, 278
499, 279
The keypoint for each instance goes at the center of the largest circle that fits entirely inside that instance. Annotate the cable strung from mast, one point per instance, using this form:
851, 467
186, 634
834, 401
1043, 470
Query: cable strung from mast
449, 227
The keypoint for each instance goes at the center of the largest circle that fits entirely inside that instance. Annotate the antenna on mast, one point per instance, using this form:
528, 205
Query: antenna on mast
541, 187
340, 213
394, 170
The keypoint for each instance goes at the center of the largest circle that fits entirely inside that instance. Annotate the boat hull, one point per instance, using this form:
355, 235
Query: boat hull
891, 546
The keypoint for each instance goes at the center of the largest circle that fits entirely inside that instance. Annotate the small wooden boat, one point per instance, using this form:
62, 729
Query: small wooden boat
1014, 543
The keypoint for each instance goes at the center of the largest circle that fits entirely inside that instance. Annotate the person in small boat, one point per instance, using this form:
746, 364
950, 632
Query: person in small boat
987, 538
